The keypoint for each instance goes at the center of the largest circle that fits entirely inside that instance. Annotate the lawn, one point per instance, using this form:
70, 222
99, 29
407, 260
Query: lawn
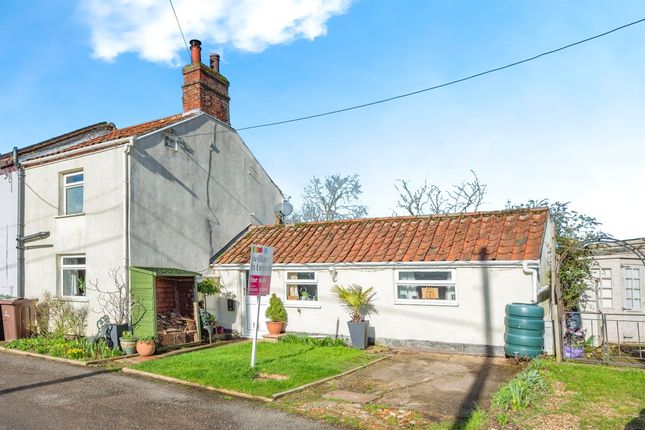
588, 397
228, 366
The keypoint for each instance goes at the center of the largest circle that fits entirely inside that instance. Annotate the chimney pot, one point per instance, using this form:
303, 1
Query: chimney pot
215, 62
195, 51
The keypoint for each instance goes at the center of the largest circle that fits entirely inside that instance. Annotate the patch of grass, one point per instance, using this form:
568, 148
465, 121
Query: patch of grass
228, 366
580, 395
476, 421
602, 397
314, 341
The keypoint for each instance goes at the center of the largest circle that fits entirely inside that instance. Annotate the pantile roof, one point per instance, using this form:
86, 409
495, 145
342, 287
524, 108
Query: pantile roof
131, 131
110, 133
101, 127
501, 235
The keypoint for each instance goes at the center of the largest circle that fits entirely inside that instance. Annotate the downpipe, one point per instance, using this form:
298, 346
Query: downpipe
20, 273
126, 224
534, 279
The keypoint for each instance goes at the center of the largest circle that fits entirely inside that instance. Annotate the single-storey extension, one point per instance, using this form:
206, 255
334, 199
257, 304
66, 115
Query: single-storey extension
441, 281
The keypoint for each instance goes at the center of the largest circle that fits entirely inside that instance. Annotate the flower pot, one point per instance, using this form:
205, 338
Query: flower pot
145, 349
128, 346
275, 327
116, 331
358, 333
220, 330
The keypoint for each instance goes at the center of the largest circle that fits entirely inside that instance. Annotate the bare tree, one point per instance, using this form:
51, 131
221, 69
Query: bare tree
114, 302
333, 198
428, 199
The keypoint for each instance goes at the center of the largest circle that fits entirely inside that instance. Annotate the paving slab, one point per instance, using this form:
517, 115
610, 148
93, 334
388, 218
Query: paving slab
436, 384
350, 396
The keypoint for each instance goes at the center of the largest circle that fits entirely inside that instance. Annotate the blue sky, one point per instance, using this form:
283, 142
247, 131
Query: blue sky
568, 127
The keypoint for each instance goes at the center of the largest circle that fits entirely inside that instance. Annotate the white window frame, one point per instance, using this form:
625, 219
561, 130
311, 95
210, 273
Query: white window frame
288, 282
64, 267
74, 185
628, 285
600, 276
427, 302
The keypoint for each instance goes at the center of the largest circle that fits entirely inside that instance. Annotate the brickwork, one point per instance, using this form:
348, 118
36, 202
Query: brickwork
207, 90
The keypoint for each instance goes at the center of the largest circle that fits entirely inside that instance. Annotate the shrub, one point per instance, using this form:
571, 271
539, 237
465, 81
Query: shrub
208, 287
276, 311
57, 318
314, 341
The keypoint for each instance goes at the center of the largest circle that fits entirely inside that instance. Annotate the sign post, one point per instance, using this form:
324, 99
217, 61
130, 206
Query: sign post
259, 283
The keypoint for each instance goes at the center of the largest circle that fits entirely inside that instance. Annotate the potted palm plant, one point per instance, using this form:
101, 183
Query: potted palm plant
359, 303
277, 315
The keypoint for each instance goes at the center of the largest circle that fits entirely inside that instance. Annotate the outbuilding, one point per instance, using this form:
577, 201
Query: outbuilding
442, 281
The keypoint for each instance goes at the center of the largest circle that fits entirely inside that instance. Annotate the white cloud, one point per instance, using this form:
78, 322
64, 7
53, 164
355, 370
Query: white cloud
148, 27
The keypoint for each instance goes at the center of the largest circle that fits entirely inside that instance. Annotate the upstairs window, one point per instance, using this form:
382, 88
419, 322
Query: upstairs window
72, 277
302, 286
436, 286
73, 193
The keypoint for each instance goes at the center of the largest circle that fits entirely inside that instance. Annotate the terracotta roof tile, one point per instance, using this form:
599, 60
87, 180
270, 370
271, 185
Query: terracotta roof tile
131, 131
501, 235
6, 160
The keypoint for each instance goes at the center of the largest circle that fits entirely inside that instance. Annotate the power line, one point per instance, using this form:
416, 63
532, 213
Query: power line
179, 25
423, 90
456, 81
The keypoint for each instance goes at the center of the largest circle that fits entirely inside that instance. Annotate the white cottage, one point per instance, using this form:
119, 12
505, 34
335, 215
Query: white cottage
165, 194
442, 281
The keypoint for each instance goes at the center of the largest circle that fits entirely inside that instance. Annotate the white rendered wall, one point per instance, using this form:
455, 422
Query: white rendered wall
98, 233
8, 232
476, 319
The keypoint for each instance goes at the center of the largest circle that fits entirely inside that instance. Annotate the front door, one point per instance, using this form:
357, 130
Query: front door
251, 309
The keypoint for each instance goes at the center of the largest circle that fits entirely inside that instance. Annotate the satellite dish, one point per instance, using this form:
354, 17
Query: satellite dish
283, 209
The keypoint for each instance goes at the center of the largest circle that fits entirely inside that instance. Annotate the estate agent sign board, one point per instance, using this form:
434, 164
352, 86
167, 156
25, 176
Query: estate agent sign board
259, 283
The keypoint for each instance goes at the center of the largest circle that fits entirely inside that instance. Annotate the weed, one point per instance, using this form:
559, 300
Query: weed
477, 420
502, 418
521, 390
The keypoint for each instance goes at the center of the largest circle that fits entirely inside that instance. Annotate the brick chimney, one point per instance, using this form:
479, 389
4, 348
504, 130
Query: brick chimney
204, 88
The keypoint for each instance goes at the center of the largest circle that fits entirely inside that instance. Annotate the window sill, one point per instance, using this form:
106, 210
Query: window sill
425, 303
310, 305
69, 216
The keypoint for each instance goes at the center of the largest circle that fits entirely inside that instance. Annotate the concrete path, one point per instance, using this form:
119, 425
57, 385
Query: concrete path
36, 393
437, 387
436, 384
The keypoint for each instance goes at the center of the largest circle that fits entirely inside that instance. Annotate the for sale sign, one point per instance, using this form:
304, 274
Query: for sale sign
260, 270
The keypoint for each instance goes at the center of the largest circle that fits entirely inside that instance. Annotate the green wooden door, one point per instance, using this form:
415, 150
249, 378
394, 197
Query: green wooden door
144, 313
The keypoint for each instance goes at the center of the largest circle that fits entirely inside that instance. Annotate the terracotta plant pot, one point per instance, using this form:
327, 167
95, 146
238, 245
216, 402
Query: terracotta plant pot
275, 327
145, 349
